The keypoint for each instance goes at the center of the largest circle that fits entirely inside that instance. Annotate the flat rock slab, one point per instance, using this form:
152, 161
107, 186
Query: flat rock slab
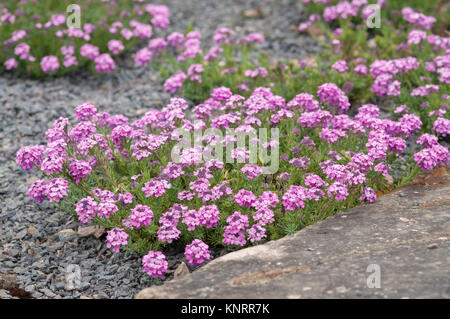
399, 244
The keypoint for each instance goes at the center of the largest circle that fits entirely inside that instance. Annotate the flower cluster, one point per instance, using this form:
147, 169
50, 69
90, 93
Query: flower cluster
155, 264
50, 46
116, 237
334, 148
197, 252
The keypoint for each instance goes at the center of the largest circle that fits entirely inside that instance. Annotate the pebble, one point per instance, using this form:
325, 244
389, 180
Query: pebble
48, 293
30, 288
4, 294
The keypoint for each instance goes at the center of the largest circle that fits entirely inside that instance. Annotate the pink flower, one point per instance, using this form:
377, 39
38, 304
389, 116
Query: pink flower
10, 64
256, 232
142, 30
85, 111
143, 56
126, 199
70, 60
115, 46
53, 163
38, 190
86, 209
340, 66
49, 64
106, 207
245, 198
172, 216
155, 188
191, 219
427, 140
155, 263
331, 135
116, 237
29, 156
208, 216
194, 72
197, 252
157, 44
313, 180
360, 69
294, 198
127, 33
175, 39
232, 237
79, 169
339, 191
369, 195
185, 195
68, 50
335, 97
429, 158
18, 35
221, 93
104, 63
56, 189
251, 171
22, 50
418, 18
175, 82
264, 216
168, 233
442, 126
303, 101
89, 51
300, 162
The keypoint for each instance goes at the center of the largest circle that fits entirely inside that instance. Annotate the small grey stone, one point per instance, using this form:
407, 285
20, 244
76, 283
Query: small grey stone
48, 292
21, 234
39, 264
60, 285
67, 236
30, 288
84, 286
4, 294
14, 252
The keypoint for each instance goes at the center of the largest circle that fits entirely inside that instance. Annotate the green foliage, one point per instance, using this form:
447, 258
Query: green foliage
44, 41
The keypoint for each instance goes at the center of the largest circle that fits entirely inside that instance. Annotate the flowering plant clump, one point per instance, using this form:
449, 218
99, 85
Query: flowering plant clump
48, 37
188, 66
402, 61
146, 182
319, 138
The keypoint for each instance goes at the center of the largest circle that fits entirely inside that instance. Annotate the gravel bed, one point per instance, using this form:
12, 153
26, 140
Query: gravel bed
39, 242
277, 20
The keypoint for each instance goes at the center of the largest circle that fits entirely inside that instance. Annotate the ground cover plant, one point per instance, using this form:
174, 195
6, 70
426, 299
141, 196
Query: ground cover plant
120, 174
403, 65
188, 179
36, 37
